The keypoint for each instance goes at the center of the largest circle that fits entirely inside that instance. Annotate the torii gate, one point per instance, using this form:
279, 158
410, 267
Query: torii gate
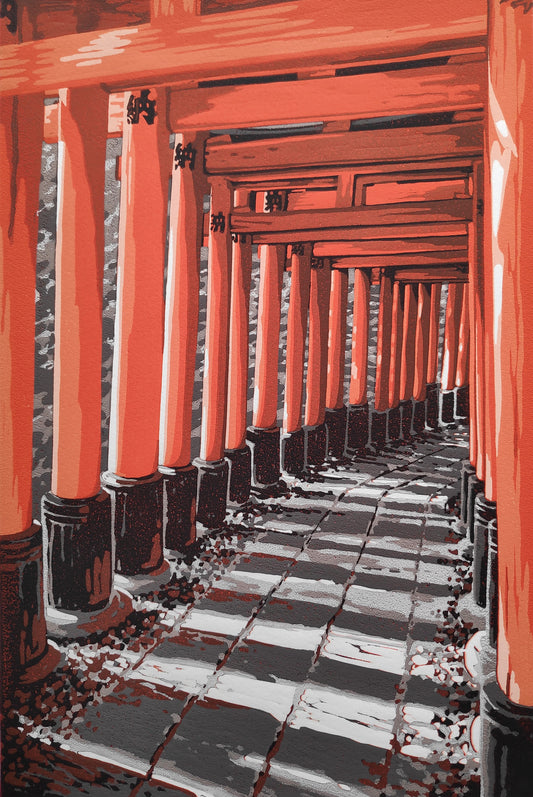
176, 49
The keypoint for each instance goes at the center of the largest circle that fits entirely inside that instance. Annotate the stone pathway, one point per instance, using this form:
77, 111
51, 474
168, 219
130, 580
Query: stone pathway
314, 648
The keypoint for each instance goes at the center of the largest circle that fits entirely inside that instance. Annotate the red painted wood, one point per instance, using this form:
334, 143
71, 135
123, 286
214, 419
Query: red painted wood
181, 311
338, 302
317, 360
451, 336
410, 309
137, 358
511, 166
77, 410
411, 191
462, 366
217, 327
21, 126
296, 337
267, 346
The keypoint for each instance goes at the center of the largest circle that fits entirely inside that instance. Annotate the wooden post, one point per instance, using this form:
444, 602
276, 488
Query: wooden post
421, 357
264, 434
381, 398
407, 371
292, 443
132, 478
507, 704
358, 414
335, 408
23, 625
213, 468
432, 389
181, 333
394, 426
76, 514
238, 452
315, 439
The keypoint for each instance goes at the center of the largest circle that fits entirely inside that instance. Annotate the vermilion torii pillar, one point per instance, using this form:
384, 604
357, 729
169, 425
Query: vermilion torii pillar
237, 451
212, 467
23, 625
394, 425
462, 365
293, 435
264, 434
335, 407
77, 515
507, 705
432, 389
315, 433
407, 372
132, 478
358, 413
181, 333
421, 357
450, 349
381, 397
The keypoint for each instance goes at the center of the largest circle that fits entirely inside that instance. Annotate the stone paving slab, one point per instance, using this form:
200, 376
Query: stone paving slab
313, 648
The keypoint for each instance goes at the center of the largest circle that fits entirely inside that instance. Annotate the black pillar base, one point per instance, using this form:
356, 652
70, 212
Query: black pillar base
265, 447
80, 551
432, 406
358, 426
22, 620
484, 512
475, 486
315, 445
507, 749
212, 492
292, 452
406, 408
462, 404
179, 506
467, 472
395, 424
492, 584
378, 429
419, 417
240, 474
447, 407
336, 426
137, 522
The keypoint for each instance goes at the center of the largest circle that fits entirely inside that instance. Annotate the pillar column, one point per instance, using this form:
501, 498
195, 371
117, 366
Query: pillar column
238, 452
449, 351
293, 436
132, 478
212, 467
462, 365
315, 433
394, 425
23, 624
381, 397
358, 413
179, 353
421, 357
264, 434
407, 370
507, 706
336, 415
432, 389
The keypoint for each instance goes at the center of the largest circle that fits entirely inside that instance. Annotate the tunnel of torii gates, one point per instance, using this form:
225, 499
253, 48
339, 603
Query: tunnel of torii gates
437, 193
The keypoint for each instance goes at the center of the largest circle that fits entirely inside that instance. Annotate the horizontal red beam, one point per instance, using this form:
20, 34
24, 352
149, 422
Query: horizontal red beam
428, 260
393, 246
450, 87
375, 233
